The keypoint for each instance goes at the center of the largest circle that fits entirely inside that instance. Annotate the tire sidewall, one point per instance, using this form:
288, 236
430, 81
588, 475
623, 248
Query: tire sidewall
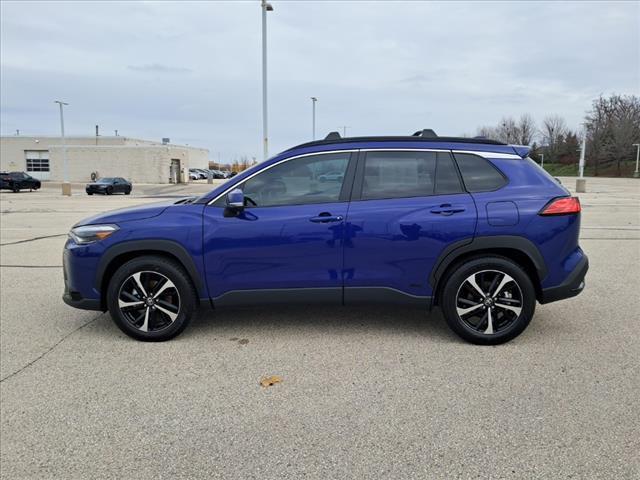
461, 273
171, 270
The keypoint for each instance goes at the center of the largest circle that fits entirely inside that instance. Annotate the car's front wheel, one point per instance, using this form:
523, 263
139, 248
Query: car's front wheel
488, 300
151, 298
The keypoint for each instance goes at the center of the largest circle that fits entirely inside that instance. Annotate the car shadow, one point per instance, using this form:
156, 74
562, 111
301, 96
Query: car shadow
387, 319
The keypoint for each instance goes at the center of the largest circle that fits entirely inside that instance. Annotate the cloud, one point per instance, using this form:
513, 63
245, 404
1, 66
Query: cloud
192, 70
158, 68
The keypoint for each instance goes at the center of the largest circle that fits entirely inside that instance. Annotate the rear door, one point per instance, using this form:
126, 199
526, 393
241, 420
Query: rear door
406, 208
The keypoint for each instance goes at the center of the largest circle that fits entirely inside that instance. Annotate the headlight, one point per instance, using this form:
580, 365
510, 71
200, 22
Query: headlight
91, 233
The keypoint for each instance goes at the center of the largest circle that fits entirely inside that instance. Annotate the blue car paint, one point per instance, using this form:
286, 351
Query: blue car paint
387, 243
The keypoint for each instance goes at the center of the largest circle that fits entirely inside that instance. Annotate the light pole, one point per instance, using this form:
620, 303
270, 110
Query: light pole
313, 117
266, 7
344, 130
66, 186
581, 182
636, 174
542, 160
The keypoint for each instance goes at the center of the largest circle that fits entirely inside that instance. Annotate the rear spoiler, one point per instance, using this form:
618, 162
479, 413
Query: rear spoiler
522, 150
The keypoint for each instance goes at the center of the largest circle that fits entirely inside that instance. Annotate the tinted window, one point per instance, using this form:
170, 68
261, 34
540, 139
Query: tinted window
312, 179
398, 174
478, 174
447, 179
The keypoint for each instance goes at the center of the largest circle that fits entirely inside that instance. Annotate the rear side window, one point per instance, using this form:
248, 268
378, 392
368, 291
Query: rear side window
390, 174
478, 174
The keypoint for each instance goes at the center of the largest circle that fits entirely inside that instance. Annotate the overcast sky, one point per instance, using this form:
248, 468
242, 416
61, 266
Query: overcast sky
191, 71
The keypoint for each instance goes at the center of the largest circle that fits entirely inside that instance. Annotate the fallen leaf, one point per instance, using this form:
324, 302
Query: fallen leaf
270, 381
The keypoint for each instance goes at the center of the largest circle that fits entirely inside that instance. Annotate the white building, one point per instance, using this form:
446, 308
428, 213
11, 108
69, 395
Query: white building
140, 161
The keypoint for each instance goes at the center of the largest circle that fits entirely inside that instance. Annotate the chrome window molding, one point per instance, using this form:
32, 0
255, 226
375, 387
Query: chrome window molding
235, 185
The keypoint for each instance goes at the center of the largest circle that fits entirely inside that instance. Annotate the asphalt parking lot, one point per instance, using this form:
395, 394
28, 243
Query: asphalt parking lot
366, 393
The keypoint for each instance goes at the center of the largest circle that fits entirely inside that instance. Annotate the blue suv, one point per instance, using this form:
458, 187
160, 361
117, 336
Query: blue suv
473, 226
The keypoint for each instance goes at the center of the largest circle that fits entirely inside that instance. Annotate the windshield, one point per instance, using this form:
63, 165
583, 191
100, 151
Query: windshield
105, 180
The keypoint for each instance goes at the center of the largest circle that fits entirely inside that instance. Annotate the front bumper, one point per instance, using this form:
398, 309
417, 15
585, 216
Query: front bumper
71, 295
572, 286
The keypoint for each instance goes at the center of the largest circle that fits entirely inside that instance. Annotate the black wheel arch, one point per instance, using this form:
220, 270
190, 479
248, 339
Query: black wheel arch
519, 249
119, 254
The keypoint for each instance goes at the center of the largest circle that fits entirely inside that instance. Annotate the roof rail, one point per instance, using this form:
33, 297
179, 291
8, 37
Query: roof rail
425, 133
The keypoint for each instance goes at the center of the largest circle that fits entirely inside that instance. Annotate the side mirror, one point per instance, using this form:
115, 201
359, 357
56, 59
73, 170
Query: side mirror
235, 199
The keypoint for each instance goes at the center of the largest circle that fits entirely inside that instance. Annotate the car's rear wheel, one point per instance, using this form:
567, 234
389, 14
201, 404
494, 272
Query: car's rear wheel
15, 188
89, 193
127, 191
488, 300
151, 298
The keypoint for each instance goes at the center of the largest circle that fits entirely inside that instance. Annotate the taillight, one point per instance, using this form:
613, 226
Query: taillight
562, 206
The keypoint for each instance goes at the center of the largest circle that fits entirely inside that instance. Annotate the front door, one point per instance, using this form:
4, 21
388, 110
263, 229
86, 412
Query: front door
288, 239
407, 207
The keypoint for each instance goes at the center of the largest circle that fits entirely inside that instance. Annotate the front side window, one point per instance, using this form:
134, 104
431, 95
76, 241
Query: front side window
478, 174
305, 180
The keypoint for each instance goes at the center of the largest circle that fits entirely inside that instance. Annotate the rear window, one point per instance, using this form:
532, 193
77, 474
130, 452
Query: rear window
478, 174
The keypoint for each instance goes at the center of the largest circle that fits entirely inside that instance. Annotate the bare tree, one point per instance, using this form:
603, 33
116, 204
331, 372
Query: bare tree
526, 129
554, 130
612, 125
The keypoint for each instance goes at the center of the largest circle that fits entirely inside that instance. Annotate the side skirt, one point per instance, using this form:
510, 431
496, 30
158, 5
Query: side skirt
325, 296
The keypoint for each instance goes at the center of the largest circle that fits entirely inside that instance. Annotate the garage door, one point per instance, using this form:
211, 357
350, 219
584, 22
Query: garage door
37, 163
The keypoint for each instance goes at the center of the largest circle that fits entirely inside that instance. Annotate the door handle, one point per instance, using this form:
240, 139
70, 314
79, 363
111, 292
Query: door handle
447, 209
326, 217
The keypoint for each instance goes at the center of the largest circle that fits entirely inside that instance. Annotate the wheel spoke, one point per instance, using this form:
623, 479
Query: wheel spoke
136, 278
165, 286
505, 279
169, 313
489, 329
511, 308
464, 311
145, 324
123, 304
472, 281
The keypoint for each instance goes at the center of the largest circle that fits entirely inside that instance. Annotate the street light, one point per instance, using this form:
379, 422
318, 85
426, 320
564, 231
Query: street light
541, 159
66, 186
266, 7
313, 117
636, 174
344, 130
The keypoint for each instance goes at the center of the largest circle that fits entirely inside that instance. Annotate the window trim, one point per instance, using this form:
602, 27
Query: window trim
356, 193
348, 171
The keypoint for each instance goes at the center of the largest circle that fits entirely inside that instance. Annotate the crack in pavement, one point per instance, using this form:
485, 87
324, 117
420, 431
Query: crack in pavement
46, 352
33, 239
30, 266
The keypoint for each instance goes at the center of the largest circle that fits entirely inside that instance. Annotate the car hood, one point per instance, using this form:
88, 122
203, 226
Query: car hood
128, 214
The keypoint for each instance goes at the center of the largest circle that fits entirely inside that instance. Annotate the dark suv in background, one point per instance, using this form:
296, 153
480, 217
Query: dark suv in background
471, 225
16, 181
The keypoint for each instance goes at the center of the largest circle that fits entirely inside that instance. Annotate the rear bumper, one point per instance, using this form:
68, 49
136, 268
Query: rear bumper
572, 286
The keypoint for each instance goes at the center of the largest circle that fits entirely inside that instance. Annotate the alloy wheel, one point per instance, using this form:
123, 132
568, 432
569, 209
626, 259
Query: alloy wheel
489, 301
149, 301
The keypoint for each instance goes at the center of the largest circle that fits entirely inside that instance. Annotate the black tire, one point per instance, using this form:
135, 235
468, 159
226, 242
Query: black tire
109, 190
491, 320
160, 326
127, 192
15, 188
89, 193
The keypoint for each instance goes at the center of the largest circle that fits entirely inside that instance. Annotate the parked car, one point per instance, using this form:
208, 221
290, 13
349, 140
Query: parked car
199, 173
331, 177
472, 226
109, 186
193, 175
16, 181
